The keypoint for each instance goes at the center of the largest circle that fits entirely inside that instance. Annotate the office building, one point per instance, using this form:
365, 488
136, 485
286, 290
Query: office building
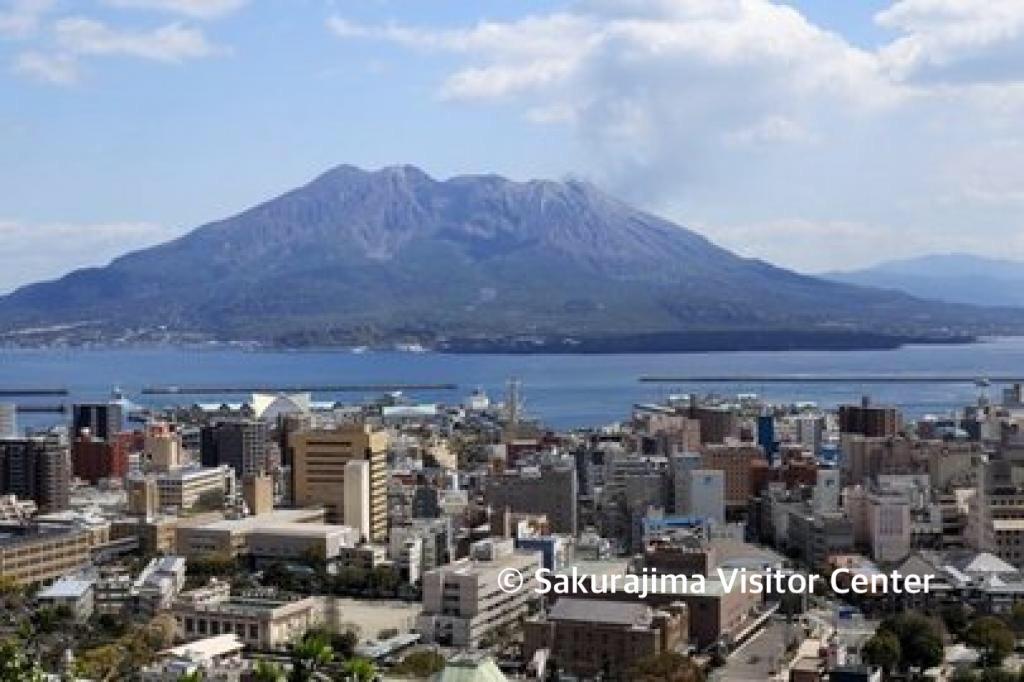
706, 494
463, 605
75, 595
36, 554
258, 493
869, 420
239, 443
319, 465
103, 420
548, 490
357, 497
162, 447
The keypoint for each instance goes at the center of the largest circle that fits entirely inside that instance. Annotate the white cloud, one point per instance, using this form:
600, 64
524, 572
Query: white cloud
57, 69
746, 113
196, 9
21, 18
169, 43
955, 40
37, 251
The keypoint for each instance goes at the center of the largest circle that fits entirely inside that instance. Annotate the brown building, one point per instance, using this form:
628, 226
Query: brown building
869, 420
744, 465
93, 459
33, 555
716, 423
319, 458
258, 493
591, 638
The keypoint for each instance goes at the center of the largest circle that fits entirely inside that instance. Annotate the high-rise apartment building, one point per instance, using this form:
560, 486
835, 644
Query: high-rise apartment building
319, 465
36, 469
93, 459
550, 490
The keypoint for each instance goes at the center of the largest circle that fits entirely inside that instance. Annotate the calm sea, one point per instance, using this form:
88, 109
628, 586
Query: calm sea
563, 391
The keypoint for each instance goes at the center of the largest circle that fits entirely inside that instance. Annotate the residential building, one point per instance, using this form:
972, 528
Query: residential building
239, 443
74, 594
93, 459
35, 554
103, 420
549, 490
37, 469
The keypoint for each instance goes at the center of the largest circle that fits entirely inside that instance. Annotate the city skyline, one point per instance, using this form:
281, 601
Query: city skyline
884, 128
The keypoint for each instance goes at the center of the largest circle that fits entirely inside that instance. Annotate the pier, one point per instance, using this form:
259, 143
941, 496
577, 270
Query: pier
833, 379
329, 388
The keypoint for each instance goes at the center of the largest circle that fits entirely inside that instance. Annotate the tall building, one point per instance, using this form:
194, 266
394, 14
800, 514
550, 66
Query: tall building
239, 443
357, 497
37, 469
8, 420
163, 447
873, 421
93, 459
104, 420
706, 494
550, 490
258, 493
318, 470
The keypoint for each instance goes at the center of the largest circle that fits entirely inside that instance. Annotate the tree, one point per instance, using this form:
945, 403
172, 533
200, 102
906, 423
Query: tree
666, 667
309, 656
956, 618
993, 637
883, 650
1017, 618
359, 670
420, 664
920, 639
16, 666
268, 671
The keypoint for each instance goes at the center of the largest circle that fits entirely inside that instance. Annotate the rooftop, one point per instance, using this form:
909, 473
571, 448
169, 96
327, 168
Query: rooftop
601, 611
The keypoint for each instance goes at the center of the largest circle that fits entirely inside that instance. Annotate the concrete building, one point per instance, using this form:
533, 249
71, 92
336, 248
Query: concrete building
258, 493
93, 460
869, 420
162, 447
71, 593
463, 604
826, 494
706, 494
284, 534
239, 443
740, 462
548, 490
596, 638
184, 488
357, 497
33, 554
319, 460
8, 420
37, 469
103, 420
263, 622
435, 537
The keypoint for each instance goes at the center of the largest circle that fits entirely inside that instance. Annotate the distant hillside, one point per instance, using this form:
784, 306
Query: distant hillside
958, 278
359, 257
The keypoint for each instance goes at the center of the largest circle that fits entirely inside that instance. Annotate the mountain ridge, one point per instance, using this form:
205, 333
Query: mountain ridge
357, 256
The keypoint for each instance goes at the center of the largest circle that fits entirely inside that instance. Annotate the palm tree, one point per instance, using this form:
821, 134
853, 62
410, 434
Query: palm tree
310, 655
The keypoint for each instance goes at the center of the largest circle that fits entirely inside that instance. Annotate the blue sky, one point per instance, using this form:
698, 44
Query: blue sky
817, 134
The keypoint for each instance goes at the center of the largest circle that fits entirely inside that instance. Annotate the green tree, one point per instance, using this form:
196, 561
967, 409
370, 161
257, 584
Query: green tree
666, 667
268, 671
194, 676
956, 618
309, 656
16, 666
883, 650
359, 670
1017, 618
993, 637
420, 664
920, 639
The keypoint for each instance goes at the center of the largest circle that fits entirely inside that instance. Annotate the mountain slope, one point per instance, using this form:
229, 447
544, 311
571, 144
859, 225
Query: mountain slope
958, 278
358, 256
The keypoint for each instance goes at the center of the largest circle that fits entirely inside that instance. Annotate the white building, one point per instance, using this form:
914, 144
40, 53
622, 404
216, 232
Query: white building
8, 420
706, 492
464, 603
356, 513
